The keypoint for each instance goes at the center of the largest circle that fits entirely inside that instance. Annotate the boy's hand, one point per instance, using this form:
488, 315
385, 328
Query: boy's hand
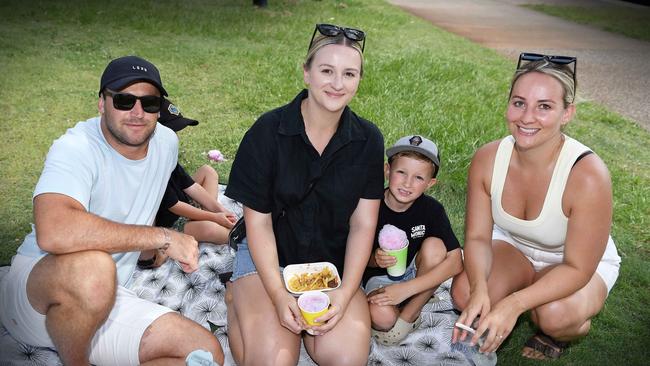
230, 216
223, 220
383, 259
389, 295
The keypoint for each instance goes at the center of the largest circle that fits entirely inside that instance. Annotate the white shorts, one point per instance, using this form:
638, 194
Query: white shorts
540, 259
117, 342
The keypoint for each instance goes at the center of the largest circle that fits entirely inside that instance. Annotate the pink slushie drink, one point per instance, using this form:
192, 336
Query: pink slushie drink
394, 241
312, 305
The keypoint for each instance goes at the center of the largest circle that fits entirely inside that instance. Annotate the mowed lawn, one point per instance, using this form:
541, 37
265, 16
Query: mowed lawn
225, 62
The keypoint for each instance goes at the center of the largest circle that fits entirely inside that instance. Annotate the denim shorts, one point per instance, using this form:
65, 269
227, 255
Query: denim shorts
383, 281
179, 224
243, 265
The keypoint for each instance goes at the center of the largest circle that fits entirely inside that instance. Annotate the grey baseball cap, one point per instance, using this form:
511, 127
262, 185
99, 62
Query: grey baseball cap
416, 143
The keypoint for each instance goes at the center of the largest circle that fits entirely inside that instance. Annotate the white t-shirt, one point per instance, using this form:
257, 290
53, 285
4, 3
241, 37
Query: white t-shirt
82, 165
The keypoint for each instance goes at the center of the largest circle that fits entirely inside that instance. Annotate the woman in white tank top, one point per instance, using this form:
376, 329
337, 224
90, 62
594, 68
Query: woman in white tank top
536, 239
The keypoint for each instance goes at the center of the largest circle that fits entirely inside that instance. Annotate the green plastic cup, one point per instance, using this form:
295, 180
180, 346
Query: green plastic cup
399, 268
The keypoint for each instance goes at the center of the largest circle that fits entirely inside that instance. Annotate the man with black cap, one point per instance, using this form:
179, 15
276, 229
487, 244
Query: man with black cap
94, 205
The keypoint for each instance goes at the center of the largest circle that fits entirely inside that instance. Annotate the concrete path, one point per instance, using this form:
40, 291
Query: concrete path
613, 70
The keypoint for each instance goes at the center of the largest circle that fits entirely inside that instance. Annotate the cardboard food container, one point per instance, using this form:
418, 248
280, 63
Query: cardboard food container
310, 269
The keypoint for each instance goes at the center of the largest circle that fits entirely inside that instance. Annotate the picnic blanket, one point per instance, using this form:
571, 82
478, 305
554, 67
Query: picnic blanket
200, 297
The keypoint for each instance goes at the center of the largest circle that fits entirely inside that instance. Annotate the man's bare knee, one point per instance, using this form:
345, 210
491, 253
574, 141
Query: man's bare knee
192, 336
93, 279
85, 279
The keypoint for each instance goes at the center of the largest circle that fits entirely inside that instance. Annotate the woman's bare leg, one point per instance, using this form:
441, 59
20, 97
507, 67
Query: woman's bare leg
256, 336
511, 271
349, 342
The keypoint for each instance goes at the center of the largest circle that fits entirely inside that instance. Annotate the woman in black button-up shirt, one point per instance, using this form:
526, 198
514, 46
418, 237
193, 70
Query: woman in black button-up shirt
310, 177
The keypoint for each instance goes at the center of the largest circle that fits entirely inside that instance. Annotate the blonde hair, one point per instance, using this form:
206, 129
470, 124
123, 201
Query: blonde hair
561, 73
321, 41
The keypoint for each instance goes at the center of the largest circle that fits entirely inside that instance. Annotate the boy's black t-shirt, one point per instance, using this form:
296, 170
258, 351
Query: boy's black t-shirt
178, 181
425, 218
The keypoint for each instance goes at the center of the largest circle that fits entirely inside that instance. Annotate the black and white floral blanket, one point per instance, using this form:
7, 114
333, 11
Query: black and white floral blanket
200, 297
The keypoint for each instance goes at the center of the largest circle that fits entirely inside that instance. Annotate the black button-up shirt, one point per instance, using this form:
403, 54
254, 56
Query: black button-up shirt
311, 197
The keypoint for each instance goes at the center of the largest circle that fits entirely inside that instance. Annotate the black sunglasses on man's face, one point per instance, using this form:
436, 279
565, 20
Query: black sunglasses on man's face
126, 101
559, 60
331, 30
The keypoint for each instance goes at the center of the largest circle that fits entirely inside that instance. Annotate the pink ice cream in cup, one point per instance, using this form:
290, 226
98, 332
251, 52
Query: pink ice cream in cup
394, 241
313, 304
392, 238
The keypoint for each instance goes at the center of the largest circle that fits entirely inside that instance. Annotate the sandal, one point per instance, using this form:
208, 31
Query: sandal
396, 335
542, 347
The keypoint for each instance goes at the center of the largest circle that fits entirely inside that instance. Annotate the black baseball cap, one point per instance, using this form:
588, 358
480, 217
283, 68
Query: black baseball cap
127, 70
170, 116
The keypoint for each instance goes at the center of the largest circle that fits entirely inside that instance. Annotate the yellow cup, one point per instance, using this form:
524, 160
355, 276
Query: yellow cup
313, 304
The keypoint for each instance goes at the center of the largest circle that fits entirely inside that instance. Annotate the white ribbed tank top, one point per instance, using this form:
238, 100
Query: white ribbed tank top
548, 231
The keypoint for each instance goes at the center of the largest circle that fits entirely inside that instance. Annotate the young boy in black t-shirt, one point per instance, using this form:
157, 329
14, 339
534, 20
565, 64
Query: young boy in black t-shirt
433, 252
190, 203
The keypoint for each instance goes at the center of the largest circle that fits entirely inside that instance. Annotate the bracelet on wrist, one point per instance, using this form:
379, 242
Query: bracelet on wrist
167, 241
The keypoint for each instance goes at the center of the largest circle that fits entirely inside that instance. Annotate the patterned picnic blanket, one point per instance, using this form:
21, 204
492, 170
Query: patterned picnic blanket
200, 297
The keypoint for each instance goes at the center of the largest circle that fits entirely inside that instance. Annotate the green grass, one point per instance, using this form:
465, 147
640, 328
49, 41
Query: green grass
630, 21
224, 63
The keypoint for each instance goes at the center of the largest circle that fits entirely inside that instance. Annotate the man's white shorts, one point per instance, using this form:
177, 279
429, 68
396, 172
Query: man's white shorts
117, 342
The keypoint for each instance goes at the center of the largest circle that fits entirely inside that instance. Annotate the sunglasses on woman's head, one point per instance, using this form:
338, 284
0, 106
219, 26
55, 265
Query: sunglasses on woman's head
331, 30
558, 60
126, 101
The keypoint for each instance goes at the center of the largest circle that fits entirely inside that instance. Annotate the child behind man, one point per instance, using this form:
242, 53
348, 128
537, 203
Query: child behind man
190, 203
433, 252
